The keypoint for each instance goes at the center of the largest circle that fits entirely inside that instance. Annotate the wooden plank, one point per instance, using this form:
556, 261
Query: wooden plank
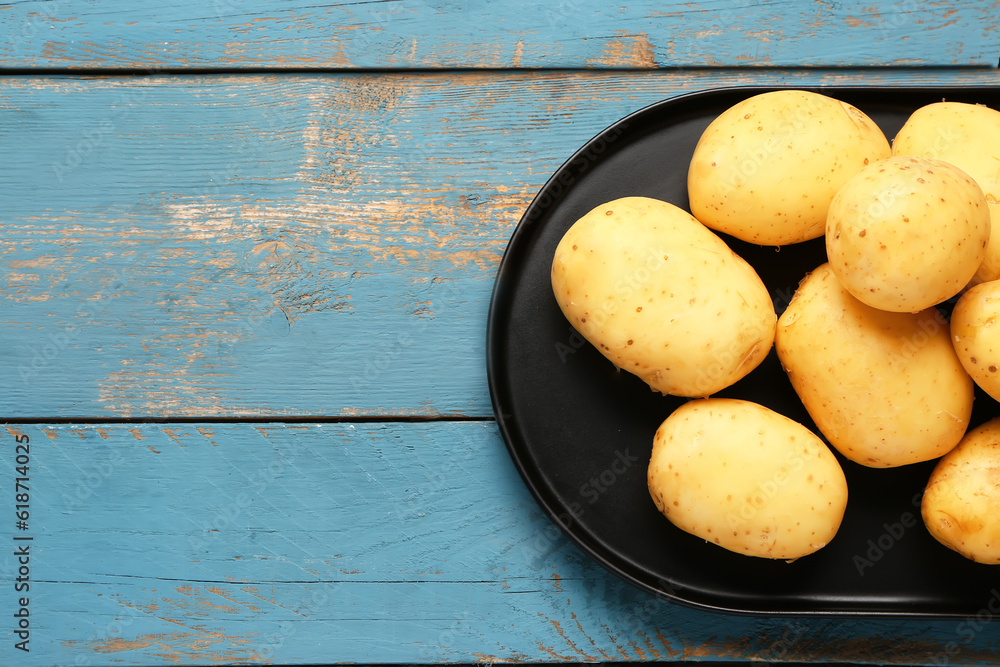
205, 543
205, 246
566, 34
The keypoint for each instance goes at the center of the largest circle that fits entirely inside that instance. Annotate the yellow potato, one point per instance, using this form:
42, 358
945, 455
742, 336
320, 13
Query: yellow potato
975, 333
663, 297
746, 478
886, 389
907, 233
961, 503
766, 169
967, 136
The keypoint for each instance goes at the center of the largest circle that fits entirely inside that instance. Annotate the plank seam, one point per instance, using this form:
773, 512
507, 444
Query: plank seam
237, 419
229, 71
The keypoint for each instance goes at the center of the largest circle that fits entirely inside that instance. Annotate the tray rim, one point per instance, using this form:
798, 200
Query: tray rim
529, 217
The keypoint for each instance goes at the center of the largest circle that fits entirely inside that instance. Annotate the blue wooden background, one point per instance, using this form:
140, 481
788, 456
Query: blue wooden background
246, 255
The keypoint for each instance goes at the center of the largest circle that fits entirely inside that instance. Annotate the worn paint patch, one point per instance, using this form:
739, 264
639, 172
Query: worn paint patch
262, 298
174, 435
518, 53
628, 50
431, 35
195, 643
347, 122
179, 647
423, 231
569, 642
33, 263
227, 595
145, 391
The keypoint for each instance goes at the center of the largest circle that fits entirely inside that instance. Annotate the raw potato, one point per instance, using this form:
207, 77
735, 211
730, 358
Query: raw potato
961, 503
968, 136
746, 478
975, 333
766, 169
663, 297
907, 233
886, 389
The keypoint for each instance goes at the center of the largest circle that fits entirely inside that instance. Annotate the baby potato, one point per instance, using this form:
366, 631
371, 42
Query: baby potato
961, 503
663, 297
886, 389
975, 333
967, 136
907, 233
746, 478
766, 169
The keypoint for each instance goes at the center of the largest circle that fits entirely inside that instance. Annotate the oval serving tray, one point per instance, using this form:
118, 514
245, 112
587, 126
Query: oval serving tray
580, 433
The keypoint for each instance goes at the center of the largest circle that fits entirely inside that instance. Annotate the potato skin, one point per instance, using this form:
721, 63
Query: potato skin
975, 333
907, 233
663, 297
766, 169
886, 389
746, 478
961, 503
967, 136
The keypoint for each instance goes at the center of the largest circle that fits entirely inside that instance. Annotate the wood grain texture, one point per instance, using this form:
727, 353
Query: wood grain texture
204, 544
297, 245
447, 34
205, 246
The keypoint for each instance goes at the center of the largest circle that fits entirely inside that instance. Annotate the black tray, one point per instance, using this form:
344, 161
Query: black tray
580, 433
